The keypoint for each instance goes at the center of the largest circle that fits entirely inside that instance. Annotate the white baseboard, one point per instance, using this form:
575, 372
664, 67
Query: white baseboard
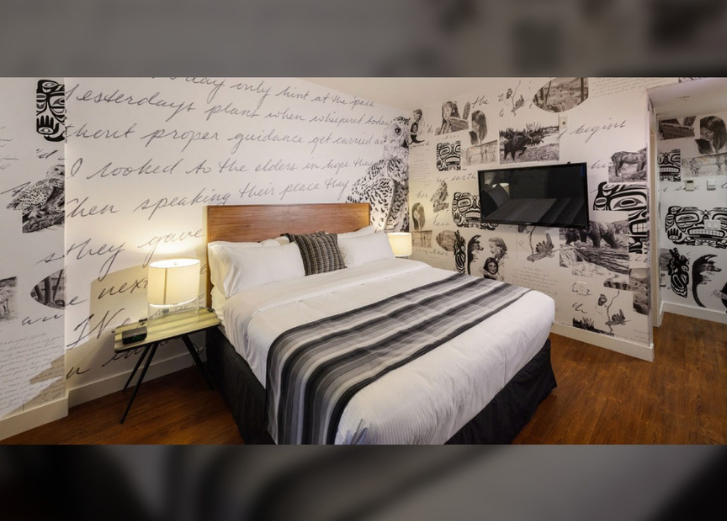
689, 311
93, 390
613, 344
33, 418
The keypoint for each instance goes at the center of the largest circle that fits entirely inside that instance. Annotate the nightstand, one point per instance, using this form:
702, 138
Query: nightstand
158, 330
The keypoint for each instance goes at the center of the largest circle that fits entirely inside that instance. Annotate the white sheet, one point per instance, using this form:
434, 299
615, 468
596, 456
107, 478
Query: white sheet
429, 399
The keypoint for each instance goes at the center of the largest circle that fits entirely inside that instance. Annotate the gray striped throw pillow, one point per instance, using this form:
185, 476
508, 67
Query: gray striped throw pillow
319, 251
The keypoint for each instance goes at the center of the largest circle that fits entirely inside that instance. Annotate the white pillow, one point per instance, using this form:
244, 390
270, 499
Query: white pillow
218, 262
357, 251
237, 266
366, 230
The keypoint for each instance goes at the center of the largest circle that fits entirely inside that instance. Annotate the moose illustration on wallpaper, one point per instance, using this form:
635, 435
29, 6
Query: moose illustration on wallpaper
519, 140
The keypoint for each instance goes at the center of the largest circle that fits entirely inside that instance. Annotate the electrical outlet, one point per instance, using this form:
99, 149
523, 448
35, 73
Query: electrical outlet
711, 185
712, 225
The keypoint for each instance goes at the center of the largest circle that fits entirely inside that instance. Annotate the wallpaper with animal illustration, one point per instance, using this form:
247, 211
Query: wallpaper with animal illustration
145, 156
693, 223
33, 297
599, 276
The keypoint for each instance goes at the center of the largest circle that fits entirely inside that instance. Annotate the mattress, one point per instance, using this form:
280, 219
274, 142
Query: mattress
427, 400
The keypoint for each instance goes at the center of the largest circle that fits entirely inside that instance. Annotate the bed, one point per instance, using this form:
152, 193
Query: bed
476, 375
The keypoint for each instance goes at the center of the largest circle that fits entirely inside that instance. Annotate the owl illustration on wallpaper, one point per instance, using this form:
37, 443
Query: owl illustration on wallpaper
385, 186
42, 203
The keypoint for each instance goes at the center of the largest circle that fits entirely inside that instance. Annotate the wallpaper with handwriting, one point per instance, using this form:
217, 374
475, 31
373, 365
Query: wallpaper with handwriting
32, 280
145, 156
599, 279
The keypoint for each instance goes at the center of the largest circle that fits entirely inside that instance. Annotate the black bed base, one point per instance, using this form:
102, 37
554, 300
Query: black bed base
498, 423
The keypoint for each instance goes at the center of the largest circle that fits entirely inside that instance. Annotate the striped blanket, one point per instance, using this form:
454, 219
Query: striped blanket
315, 369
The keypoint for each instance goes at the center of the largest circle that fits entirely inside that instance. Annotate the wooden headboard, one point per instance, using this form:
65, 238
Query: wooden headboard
252, 223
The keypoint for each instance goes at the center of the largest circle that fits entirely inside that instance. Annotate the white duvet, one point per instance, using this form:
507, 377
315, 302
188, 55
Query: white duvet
427, 400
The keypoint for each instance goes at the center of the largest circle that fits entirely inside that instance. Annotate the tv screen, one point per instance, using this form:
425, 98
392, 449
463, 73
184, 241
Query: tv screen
553, 195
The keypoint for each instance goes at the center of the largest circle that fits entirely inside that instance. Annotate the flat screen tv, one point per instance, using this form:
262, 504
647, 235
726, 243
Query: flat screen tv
552, 195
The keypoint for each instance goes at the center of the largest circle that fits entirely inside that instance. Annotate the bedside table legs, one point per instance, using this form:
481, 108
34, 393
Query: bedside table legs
141, 376
148, 355
197, 360
138, 363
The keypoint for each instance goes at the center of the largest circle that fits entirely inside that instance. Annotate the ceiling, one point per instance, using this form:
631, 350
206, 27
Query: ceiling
677, 100
402, 93
690, 98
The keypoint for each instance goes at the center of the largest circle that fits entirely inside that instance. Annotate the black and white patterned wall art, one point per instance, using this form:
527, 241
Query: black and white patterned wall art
449, 156
670, 165
466, 211
633, 199
690, 226
50, 107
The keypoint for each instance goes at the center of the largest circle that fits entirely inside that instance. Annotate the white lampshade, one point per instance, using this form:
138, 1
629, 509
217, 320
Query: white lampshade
400, 243
173, 282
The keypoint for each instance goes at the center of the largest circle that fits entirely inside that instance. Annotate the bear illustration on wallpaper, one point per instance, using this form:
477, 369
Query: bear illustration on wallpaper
600, 250
386, 182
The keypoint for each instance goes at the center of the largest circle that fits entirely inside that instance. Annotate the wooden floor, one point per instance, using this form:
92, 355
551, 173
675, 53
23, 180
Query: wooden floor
602, 398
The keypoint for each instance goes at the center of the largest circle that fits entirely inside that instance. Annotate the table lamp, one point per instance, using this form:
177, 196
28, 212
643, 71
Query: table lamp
400, 243
173, 287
